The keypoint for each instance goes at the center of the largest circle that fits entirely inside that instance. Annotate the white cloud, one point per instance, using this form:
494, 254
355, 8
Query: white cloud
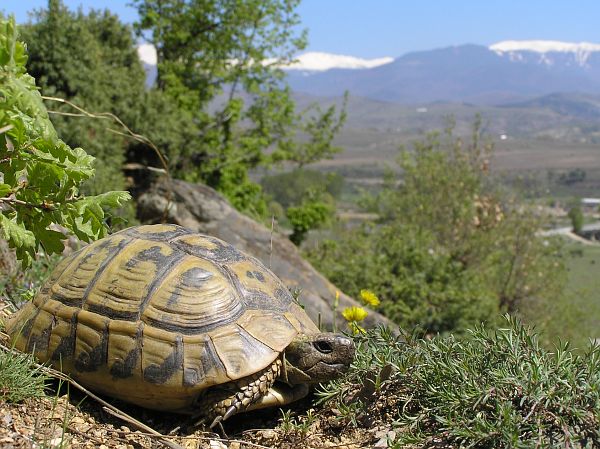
318, 61
147, 53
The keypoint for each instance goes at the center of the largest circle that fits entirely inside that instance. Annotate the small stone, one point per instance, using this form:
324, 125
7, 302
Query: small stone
268, 434
384, 438
57, 442
214, 444
7, 419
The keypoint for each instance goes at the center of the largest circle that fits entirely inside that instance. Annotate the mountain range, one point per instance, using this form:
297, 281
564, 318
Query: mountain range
506, 72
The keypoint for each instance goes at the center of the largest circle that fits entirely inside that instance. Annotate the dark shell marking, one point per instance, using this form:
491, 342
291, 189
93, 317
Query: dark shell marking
159, 306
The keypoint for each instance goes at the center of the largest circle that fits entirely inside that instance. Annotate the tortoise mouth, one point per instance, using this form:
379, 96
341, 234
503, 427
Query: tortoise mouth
323, 371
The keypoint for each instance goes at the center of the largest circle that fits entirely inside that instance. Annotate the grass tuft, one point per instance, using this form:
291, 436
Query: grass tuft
20, 378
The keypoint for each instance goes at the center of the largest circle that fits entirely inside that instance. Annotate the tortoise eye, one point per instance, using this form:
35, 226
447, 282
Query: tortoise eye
323, 346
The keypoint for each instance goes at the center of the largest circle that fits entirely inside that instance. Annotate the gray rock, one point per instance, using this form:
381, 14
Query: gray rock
202, 209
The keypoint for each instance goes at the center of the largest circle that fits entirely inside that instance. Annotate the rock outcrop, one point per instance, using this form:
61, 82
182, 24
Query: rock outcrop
202, 209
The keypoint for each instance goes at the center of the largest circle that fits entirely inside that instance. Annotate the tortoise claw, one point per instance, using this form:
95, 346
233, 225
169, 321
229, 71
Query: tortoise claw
232, 410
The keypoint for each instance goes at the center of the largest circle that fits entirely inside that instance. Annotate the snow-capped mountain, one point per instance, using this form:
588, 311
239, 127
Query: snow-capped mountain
319, 61
508, 71
546, 50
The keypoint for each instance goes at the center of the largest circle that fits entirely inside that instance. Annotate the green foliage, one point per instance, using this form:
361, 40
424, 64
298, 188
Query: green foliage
303, 199
496, 388
19, 377
572, 177
417, 283
312, 213
220, 62
577, 219
290, 188
40, 174
448, 248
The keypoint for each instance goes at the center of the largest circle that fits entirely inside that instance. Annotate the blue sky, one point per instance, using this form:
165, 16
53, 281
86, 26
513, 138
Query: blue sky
377, 28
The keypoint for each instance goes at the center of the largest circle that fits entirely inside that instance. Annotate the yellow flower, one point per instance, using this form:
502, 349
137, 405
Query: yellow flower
369, 298
354, 313
336, 301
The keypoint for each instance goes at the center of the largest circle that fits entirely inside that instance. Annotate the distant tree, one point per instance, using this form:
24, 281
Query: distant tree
303, 199
576, 217
91, 60
220, 62
572, 177
448, 248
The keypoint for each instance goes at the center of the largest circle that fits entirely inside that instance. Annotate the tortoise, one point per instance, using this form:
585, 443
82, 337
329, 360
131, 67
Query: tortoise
173, 320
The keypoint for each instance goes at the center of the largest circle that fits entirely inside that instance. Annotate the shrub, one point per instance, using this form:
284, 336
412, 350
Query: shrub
496, 388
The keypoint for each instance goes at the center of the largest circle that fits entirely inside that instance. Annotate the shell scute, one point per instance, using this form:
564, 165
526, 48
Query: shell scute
272, 329
121, 289
259, 287
91, 343
202, 365
162, 358
240, 352
209, 248
194, 298
72, 284
124, 349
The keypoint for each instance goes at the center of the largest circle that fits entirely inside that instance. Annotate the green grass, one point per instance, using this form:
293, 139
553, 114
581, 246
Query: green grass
583, 287
574, 317
19, 377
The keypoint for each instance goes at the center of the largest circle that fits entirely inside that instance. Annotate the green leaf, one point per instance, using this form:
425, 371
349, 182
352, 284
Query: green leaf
17, 235
4, 189
110, 199
51, 240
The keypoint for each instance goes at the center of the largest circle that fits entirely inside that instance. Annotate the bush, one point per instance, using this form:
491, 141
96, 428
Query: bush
576, 217
496, 388
447, 242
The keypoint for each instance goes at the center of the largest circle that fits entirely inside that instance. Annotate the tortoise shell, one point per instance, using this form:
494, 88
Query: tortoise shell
155, 314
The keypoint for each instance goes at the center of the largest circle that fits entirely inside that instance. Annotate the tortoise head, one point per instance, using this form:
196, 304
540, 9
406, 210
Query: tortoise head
317, 358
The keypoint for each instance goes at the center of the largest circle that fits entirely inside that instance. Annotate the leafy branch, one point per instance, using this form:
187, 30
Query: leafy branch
40, 175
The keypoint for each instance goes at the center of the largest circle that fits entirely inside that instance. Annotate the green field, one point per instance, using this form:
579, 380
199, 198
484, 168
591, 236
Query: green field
576, 316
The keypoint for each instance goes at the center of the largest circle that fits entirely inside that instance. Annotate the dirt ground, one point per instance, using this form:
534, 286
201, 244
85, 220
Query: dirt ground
73, 420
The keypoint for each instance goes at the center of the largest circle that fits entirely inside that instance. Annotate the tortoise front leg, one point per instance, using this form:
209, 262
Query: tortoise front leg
280, 394
222, 402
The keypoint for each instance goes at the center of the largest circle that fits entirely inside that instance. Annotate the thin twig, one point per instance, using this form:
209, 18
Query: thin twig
14, 201
129, 133
271, 243
6, 128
